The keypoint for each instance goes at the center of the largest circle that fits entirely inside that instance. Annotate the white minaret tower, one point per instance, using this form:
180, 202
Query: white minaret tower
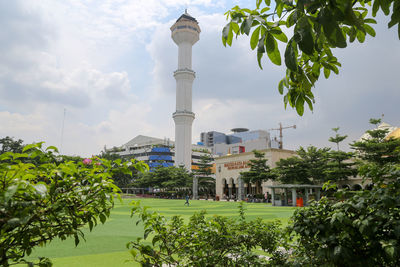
185, 33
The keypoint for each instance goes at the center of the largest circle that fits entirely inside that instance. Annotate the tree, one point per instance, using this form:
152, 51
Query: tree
318, 27
292, 170
362, 229
315, 161
168, 178
110, 155
259, 170
8, 144
204, 172
51, 198
121, 179
379, 156
307, 167
340, 165
378, 149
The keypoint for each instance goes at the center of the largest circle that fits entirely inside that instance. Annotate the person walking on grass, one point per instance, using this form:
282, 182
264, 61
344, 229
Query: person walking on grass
187, 200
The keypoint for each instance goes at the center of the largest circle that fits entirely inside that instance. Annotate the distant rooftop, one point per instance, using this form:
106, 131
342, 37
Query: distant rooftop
239, 130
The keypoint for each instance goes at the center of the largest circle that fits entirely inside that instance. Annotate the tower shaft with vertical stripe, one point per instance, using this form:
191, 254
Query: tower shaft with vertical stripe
185, 33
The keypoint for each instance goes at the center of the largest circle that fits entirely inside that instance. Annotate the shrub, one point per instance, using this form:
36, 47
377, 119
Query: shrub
217, 241
362, 230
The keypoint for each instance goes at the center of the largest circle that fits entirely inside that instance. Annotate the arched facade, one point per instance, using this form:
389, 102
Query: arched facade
228, 182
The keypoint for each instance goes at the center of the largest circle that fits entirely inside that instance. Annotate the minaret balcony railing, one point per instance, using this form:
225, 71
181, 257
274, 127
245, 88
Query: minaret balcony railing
185, 70
183, 113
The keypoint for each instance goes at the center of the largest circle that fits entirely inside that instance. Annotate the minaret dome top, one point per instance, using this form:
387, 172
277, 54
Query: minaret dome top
185, 29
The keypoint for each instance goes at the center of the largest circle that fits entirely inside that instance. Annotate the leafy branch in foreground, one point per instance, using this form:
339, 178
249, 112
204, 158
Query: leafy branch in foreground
43, 196
215, 241
318, 26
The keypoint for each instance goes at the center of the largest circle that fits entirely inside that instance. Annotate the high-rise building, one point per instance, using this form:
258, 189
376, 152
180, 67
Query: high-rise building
240, 141
185, 33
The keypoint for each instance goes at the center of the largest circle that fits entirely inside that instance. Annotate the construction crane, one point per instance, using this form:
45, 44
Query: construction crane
280, 133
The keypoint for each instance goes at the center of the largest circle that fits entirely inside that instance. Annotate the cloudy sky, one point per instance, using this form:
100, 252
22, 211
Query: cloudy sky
108, 65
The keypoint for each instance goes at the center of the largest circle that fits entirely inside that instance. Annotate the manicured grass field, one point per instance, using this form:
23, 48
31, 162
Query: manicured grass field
106, 244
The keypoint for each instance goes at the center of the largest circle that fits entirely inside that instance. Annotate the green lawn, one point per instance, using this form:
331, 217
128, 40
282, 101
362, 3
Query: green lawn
106, 244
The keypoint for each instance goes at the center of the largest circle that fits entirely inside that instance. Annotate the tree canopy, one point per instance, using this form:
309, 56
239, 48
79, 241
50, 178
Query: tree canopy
8, 144
259, 170
379, 156
169, 178
340, 165
318, 27
203, 173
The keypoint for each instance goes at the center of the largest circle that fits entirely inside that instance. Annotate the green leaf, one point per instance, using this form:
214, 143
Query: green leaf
292, 19
11, 190
398, 30
370, 21
352, 34
286, 99
337, 251
76, 239
52, 148
102, 218
304, 36
278, 34
331, 28
279, 7
14, 222
385, 5
230, 35
254, 38
265, 9
369, 30
260, 50
316, 69
248, 22
310, 104
258, 3
330, 67
327, 72
267, 2
290, 56
280, 87
235, 27
225, 33
360, 36
27, 147
261, 45
90, 225
390, 251
300, 105
375, 7
272, 49
41, 188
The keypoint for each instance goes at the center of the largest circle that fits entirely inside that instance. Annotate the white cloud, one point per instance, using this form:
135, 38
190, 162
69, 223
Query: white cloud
110, 64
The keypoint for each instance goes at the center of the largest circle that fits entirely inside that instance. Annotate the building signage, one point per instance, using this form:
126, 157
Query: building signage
237, 165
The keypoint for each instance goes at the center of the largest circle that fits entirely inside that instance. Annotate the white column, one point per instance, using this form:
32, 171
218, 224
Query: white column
273, 197
294, 197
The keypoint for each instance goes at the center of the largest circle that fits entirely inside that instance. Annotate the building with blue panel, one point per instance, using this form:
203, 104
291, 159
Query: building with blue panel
160, 156
158, 152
